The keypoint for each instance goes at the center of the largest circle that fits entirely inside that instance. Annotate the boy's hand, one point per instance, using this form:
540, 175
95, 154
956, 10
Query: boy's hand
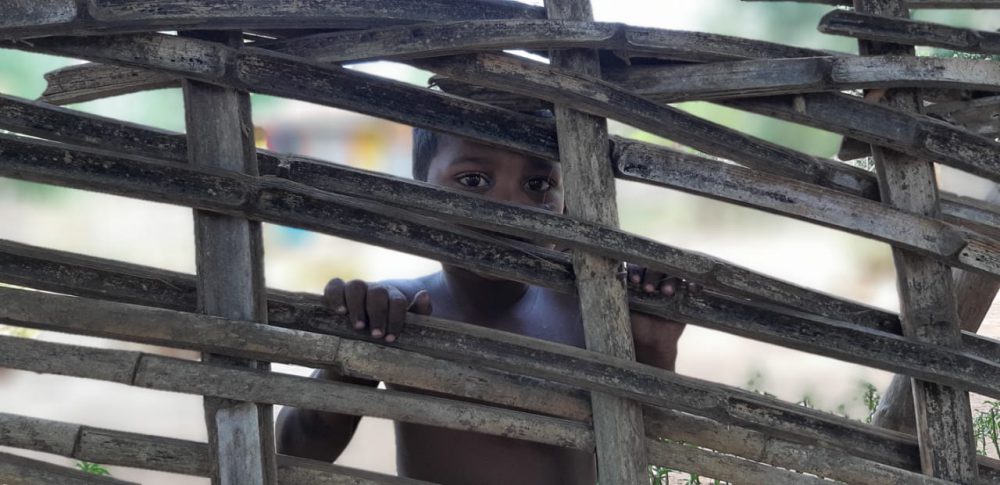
655, 338
650, 281
377, 308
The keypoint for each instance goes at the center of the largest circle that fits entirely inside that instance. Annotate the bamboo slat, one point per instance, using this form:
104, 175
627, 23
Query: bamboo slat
907, 31
927, 299
18, 470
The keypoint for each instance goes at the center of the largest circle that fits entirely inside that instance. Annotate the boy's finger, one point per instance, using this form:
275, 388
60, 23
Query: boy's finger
635, 274
694, 288
333, 296
397, 315
355, 293
377, 304
651, 280
421, 304
670, 286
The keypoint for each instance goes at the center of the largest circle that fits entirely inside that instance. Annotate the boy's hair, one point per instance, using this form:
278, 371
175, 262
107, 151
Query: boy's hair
425, 145
426, 142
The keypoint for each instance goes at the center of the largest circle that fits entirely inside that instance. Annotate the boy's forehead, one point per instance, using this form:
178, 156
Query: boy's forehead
452, 149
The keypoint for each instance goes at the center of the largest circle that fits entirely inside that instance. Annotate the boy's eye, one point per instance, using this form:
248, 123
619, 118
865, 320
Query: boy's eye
473, 180
539, 185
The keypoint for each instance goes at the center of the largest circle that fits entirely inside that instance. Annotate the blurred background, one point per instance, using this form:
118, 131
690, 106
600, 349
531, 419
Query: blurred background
161, 235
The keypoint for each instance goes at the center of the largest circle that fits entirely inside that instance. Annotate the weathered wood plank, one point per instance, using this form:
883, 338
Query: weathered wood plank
724, 467
230, 271
980, 115
90, 81
927, 299
112, 447
590, 196
299, 311
866, 26
69, 17
975, 295
759, 77
286, 203
926, 4
916, 135
78, 128
18, 470
80, 83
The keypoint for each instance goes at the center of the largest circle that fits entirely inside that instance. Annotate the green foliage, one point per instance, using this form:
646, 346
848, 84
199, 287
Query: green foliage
93, 468
871, 398
986, 426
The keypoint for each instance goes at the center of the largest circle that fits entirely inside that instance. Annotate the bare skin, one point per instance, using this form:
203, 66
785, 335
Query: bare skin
459, 457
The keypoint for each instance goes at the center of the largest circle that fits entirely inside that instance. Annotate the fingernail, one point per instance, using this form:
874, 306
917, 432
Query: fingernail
341, 310
635, 278
359, 325
649, 288
390, 338
376, 333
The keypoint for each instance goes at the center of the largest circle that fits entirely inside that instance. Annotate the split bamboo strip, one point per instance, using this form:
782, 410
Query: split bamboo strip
768, 77
927, 299
18, 470
464, 344
906, 31
25, 18
925, 4
285, 202
590, 196
78, 128
143, 370
119, 448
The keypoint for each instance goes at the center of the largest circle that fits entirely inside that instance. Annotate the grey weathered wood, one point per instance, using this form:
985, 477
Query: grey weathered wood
552, 361
18, 470
298, 311
77, 128
80, 83
87, 82
724, 467
975, 294
927, 299
590, 196
980, 116
68, 17
284, 203
916, 135
112, 447
948, 4
866, 26
230, 271
736, 79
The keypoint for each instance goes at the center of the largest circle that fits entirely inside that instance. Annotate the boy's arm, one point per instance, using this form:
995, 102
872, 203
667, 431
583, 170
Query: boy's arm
317, 435
655, 338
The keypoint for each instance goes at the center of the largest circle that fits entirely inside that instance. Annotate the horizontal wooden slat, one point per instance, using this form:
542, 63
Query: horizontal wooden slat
18, 470
926, 4
366, 360
25, 19
738, 79
259, 386
119, 448
911, 32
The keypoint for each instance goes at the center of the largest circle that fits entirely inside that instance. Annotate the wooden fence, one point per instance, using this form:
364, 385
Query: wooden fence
941, 110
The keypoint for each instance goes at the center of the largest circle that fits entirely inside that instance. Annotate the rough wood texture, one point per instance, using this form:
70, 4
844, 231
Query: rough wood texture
17, 470
230, 269
291, 204
948, 4
111, 447
86, 82
906, 31
736, 79
975, 294
297, 311
69, 17
78, 128
927, 299
590, 196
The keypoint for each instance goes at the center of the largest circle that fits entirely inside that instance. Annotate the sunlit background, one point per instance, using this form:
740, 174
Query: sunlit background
161, 235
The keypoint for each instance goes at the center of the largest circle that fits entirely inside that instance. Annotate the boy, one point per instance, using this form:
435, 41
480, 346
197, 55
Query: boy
459, 457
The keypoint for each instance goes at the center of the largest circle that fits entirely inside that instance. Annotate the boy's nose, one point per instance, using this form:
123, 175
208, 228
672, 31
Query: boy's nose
513, 194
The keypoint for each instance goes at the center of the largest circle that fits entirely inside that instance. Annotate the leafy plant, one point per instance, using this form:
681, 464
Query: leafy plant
986, 425
871, 399
93, 468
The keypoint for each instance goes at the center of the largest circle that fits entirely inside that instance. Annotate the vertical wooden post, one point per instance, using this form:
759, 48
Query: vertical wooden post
230, 272
927, 299
590, 196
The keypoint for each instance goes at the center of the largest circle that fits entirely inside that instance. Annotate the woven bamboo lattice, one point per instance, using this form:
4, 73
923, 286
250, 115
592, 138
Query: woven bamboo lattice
597, 398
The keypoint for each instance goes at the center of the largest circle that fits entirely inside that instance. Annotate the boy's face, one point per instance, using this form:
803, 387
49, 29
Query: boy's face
496, 173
